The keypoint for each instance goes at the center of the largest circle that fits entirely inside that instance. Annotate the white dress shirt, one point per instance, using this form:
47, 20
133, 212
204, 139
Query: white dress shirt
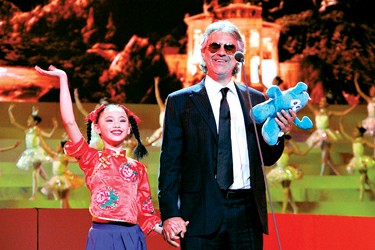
241, 170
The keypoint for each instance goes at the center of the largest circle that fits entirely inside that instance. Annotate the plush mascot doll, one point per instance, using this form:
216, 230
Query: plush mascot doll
293, 98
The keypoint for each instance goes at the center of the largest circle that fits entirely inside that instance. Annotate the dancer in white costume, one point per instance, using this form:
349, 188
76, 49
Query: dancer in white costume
284, 173
360, 162
369, 122
63, 180
34, 155
323, 134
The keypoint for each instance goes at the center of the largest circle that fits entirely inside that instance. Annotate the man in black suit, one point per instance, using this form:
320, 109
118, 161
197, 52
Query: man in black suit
194, 207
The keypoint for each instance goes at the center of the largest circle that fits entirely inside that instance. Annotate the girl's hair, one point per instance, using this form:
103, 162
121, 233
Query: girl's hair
224, 26
62, 143
361, 130
37, 119
140, 151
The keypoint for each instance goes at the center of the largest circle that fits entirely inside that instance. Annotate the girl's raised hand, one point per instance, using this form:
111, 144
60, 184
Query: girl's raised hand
52, 71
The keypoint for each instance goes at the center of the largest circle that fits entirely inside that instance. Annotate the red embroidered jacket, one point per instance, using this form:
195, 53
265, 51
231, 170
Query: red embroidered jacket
119, 186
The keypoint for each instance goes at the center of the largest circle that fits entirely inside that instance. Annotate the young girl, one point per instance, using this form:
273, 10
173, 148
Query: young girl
324, 136
369, 122
360, 161
284, 173
62, 180
34, 155
121, 206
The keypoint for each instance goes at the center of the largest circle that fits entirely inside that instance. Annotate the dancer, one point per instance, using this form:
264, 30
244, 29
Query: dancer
96, 141
34, 155
10, 147
155, 138
62, 180
324, 134
120, 206
360, 161
284, 173
369, 122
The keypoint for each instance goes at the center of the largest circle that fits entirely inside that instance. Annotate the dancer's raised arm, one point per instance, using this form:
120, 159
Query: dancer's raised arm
66, 106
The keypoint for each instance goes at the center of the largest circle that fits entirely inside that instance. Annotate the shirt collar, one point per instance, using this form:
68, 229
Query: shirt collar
214, 87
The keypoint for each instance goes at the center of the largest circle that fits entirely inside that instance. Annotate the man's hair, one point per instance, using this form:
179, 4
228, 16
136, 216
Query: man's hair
228, 27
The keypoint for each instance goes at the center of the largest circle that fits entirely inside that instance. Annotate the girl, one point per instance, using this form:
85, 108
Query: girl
369, 122
360, 161
121, 206
34, 155
284, 173
323, 134
62, 180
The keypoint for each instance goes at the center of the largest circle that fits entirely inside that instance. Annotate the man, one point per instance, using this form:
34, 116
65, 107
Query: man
193, 207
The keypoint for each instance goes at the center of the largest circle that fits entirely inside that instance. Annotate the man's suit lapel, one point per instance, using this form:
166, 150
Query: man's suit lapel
245, 105
200, 98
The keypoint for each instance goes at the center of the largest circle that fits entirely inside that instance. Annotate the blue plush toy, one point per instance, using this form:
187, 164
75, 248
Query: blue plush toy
293, 98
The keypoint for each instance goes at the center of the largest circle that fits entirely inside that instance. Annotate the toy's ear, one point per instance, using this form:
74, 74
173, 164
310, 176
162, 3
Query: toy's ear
273, 91
300, 87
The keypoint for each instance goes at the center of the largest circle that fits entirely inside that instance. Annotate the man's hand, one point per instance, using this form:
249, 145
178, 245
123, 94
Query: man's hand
173, 229
285, 120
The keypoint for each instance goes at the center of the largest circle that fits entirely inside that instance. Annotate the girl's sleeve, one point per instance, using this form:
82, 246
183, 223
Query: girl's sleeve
147, 217
83, 153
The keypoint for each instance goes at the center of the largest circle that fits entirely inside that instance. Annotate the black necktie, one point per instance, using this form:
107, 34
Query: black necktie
224, 175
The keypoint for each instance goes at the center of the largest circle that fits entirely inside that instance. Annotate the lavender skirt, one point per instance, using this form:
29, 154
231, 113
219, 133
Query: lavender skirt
115, 236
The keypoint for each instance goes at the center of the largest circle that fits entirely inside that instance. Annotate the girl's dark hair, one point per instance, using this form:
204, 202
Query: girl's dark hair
288, 137
62, 143
361, 130
37, 119
140, 151
88, 131
88, 128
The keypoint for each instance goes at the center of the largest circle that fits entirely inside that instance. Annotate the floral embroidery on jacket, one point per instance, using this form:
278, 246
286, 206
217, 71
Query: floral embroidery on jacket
147, 206
107, 198
127, 173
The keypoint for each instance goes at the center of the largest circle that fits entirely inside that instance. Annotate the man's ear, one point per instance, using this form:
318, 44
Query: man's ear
96, 129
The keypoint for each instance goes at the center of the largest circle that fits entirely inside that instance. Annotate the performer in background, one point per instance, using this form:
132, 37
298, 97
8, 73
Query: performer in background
34, 155
63, 180
284, 173
369, 122
324, 134
215, 209
361, 162
120, 206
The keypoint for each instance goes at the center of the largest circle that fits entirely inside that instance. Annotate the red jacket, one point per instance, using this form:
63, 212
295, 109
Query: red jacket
119, 186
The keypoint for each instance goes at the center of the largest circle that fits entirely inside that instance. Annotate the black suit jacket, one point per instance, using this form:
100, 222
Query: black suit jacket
187, 184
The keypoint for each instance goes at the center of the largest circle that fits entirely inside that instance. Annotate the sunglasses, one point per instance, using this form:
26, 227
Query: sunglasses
230, 49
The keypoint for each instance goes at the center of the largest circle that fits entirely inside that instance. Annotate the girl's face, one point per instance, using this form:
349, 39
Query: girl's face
113, 126
30, 121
